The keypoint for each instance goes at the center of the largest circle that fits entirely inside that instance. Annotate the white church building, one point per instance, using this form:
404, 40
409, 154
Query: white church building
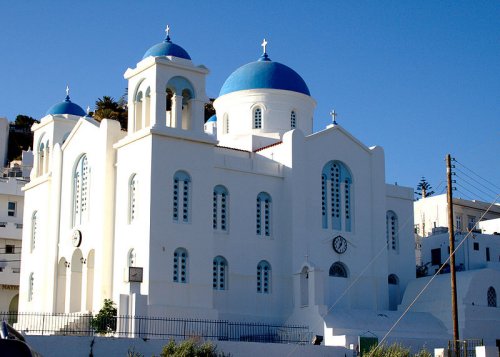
250, 216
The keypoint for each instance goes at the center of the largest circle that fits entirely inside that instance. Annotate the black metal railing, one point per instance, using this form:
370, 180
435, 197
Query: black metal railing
155, 327
465, 348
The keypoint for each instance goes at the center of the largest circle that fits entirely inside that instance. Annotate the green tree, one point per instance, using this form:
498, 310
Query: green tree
105, 321
424, 189
25, 121
108, 108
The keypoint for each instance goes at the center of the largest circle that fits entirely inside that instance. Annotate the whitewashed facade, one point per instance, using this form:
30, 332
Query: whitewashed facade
254, 218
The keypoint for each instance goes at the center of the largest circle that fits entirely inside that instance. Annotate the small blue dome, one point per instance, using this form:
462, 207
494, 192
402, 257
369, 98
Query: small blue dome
66, 107
213, 118
264, 73
167, 48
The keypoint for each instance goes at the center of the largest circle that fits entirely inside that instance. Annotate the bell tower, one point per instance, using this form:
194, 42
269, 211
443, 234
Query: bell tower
166, 90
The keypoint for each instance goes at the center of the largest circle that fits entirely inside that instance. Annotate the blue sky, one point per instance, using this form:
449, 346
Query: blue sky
419, 78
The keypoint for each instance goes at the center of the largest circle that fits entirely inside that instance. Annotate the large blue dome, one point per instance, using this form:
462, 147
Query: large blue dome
264, 73
167, 48
66, 107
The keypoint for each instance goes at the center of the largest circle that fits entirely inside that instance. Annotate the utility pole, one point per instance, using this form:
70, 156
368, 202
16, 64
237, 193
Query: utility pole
454, 314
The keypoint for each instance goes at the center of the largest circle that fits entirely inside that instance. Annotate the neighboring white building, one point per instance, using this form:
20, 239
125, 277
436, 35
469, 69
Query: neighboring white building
253, 218
477, 261
432, 212
12, 179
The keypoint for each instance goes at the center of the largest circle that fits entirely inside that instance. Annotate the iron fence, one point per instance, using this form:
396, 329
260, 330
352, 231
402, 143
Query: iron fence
155, 327
465, 348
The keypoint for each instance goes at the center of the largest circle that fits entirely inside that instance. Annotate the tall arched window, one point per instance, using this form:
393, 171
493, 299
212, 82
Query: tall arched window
338, 270
132, 198
31, 284
257, 118
336, 196
220, 271
34, 229
293, 119
492, 297
41, 157
220, 214
138, 111
263, 214
180, 268
391, 222
263, 277
181, 196
80, 190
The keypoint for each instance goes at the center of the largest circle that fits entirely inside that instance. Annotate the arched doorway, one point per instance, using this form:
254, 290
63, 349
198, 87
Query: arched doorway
304, 287
90, 280
61, 285
394, 294
13, 305
75, 292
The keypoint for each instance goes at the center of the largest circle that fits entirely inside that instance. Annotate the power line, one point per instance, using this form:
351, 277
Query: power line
472, 171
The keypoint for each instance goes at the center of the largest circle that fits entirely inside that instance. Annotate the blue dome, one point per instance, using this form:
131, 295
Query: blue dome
167, 48
213, 118
264, 73
66, 107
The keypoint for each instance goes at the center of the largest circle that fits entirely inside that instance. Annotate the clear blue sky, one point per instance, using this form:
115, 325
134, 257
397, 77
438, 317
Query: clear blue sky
419, 78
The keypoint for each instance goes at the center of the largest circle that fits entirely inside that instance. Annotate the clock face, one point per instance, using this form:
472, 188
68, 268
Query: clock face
135, 274
76, 238
339, 244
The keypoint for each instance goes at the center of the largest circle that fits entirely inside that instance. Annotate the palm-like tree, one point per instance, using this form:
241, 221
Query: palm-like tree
108, 108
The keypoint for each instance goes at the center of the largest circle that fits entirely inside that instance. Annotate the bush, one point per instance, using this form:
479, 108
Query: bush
396, 350
105, 321
191, 348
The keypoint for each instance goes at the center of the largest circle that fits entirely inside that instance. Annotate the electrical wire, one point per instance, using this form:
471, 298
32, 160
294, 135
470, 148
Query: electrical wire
434, 276
472, 171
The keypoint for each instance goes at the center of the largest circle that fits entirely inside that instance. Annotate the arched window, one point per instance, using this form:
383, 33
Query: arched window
181, 196
492, 297
132, 198
336, 196
220, 208
80, 190
138, 111
34, 228
41, 157
263, 277
180, 268
304, 286
263, 214
338, 270
131, 258
220, 270
393, 279
31, 283
293, 119
257, 118
391, 222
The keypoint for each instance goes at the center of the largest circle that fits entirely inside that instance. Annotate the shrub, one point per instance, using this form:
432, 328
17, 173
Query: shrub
105, 321
191, 348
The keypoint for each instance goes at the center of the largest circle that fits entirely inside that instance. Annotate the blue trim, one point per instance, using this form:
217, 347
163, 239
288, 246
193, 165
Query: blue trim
213, 118
264, 74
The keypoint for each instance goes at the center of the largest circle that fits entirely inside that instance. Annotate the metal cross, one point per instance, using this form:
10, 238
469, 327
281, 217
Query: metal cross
67, 90
88, 109
167, 30
264, 44
334, 116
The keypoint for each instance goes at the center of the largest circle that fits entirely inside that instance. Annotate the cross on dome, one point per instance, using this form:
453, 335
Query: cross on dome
167, 31
88, 110
264, 44
67, 93
334, 116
